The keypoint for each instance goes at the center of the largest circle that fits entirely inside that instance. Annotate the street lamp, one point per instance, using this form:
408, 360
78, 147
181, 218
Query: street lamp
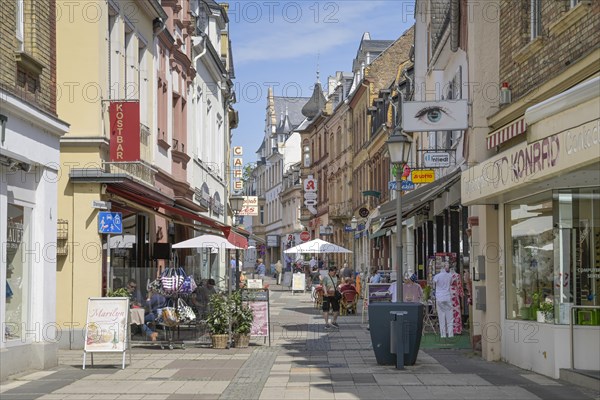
236, 203
399, 149
353, 226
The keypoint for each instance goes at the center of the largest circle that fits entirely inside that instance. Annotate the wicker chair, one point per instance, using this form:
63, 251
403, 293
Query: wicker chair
348, 302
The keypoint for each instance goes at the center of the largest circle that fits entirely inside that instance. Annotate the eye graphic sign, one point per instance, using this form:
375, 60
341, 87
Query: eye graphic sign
424, 116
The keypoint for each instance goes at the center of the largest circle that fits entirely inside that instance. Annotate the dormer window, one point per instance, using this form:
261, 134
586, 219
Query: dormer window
306, 155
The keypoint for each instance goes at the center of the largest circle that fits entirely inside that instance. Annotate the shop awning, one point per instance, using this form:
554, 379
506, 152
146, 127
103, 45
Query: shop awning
238, 239
417, 199
380, 232
145, 201
506, 133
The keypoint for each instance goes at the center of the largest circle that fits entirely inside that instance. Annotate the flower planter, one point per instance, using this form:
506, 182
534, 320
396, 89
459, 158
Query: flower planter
241, 341
540, 316
219, 341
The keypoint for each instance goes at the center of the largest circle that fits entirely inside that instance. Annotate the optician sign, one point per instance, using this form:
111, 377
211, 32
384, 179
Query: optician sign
424, 116
436, 160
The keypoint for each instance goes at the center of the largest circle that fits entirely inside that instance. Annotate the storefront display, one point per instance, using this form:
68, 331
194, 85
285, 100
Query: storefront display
553, 255
17, 271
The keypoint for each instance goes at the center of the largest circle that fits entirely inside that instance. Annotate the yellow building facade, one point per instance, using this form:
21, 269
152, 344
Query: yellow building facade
106, 53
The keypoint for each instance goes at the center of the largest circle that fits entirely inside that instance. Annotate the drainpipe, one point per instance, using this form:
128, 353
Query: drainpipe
196, 44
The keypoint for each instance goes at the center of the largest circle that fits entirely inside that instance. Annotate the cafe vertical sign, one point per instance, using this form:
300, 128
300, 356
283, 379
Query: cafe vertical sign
124, 131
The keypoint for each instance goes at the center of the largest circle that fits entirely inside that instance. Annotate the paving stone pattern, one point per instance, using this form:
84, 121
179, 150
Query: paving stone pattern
303, 362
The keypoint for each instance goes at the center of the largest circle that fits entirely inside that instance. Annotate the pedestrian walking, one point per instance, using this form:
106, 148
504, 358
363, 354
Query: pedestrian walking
278, 271
443, 301
331, 301
261, 270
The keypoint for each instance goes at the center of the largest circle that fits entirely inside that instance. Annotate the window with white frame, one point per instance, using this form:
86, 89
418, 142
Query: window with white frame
20, 31
131, 64
143, 82
114, 54
535, 18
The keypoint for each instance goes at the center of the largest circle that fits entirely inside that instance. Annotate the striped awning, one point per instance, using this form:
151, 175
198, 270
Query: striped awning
507, 132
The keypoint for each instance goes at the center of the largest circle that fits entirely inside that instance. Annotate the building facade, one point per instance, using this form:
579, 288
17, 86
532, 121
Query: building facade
536, 198
145, 70
31, 231
278, 154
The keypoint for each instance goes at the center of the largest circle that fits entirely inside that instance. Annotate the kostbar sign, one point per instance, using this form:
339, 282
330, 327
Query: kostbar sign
124, 131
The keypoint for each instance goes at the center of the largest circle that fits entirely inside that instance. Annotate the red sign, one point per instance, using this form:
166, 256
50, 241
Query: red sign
305, 236
124, 131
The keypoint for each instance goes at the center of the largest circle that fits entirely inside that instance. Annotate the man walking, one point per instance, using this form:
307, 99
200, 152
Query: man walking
330, 300
443, 301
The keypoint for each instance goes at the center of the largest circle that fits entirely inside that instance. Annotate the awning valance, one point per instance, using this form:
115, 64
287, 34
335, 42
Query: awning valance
507, 132
187, 215
380, 232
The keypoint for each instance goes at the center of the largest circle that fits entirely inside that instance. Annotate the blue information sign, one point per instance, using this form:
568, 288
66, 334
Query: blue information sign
110, 222
406, 185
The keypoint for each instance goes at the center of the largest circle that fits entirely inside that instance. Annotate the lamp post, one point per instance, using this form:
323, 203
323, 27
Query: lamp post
236, 203
353, 225
399, 149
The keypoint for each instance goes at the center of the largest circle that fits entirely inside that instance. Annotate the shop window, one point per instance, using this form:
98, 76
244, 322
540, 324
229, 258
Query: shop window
17, 272
577, 259
530, 256
553, 256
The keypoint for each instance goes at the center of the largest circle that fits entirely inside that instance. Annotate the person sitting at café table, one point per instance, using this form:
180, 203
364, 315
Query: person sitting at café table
347, 286
135, 295
154, 304
202, 297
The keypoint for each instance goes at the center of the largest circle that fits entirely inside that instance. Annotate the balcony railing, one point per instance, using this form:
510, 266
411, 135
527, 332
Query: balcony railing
340, 210
137, 169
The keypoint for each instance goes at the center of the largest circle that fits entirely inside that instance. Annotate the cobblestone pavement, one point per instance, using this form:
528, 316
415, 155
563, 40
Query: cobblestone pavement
303, 362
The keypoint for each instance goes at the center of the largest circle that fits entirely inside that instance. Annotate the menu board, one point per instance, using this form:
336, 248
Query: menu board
299, 282
106, 326
258, 301
287, 279
260, 325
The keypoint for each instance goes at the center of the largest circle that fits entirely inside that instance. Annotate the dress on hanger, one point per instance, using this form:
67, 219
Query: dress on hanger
456, 291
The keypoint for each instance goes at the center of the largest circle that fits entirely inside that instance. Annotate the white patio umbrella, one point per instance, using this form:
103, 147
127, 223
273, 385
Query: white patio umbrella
316, 246
204, 241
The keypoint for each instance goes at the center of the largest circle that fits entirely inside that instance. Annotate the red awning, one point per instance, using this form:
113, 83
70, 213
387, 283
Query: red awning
167, 207
235, 238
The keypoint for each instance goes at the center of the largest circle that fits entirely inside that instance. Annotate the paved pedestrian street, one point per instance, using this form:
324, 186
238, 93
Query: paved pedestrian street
303, 362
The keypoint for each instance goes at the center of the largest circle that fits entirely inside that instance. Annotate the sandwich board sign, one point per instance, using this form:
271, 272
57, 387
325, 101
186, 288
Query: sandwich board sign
106, 328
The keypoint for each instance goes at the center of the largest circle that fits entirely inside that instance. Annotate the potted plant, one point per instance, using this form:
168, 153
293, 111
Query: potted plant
426, 293
221, 309
243, 317
547, 310
121, 292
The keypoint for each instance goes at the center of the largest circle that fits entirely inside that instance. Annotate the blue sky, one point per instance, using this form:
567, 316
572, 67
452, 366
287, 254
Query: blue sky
279, 43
